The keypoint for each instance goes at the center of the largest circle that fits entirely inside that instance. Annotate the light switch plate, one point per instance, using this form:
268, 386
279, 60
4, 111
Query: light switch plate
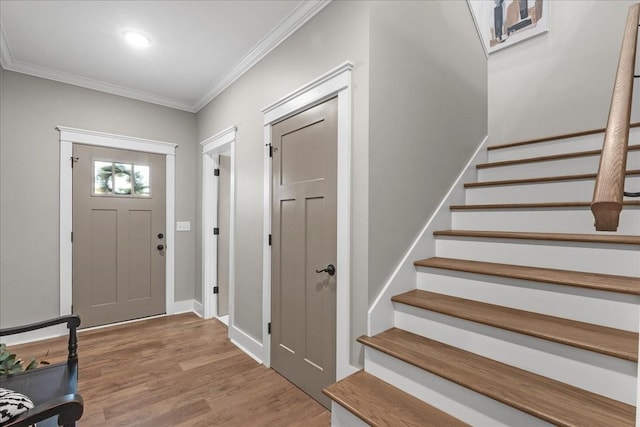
183, 226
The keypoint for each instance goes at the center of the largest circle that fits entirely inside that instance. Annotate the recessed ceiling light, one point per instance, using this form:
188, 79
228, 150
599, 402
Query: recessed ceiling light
137, 39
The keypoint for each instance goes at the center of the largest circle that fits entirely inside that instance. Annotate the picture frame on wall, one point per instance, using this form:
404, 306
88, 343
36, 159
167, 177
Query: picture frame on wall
507, 22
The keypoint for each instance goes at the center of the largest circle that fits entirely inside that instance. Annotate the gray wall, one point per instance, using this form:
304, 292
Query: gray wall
428, 114
560, 81
337, 34
30, 109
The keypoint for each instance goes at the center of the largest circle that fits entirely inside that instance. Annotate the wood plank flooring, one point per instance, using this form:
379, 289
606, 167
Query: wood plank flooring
177, 371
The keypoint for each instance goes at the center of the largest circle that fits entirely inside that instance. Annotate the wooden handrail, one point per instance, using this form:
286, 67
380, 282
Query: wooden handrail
609, 190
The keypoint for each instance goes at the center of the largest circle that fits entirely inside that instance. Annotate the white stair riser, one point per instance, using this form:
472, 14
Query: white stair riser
609, 309
341, 417
462, 403
598, 373
565, 220
559, 191
558, 146
571, 166
623, 260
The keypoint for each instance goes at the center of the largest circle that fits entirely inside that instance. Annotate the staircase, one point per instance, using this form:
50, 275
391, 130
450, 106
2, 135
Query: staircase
526, 316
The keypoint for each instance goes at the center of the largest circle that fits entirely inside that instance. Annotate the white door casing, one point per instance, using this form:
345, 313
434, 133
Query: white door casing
222, 142
69, 136
336, 82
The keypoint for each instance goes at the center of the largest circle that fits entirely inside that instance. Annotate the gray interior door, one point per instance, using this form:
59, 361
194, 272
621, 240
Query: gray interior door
224, 188
118, 234
303, 303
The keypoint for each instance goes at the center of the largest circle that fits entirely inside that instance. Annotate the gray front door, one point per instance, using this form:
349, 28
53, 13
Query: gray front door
118, 234
303, 303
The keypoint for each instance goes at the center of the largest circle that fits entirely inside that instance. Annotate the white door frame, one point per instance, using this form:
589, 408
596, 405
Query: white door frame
336, 82
222, 142
70, 136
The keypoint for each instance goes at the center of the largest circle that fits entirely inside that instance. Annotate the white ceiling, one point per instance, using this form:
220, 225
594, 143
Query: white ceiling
198, 48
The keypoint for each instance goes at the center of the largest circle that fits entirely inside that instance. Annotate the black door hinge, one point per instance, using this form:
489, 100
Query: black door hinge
216, 290
269, 239
72, 236
216, 231
216, 172
73, 160
272, 149
71, 308
269, 328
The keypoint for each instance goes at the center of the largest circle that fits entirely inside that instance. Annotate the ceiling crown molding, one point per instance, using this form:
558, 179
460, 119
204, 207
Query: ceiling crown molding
296, 19
288, 26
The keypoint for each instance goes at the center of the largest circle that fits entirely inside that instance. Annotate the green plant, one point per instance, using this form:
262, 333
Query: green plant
11, 364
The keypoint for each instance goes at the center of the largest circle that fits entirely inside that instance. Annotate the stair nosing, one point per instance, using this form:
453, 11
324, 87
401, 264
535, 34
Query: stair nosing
547, 179
337, 396
533, 205
553, 138
556, 237
565, 332
517, 397
547, 158
602, 282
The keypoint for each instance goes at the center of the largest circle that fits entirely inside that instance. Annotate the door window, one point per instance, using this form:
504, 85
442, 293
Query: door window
120, 179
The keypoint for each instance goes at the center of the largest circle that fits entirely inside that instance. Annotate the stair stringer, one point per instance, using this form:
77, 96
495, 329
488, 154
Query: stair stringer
380, 316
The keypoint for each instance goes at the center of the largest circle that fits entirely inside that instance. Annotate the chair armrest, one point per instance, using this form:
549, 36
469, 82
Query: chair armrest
69, 409
72, 321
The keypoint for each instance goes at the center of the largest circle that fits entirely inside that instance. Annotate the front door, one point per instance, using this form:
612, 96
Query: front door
118, 234
303, 283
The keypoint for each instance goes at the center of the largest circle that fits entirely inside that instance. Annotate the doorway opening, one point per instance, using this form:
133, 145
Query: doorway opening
218, 213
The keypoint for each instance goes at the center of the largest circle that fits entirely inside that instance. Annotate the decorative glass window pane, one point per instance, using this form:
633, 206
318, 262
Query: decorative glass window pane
102, 172
141, 180
122, 178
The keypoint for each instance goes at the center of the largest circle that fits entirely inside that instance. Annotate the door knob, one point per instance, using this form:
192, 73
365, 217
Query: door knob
331, 269
160, 247
160, 236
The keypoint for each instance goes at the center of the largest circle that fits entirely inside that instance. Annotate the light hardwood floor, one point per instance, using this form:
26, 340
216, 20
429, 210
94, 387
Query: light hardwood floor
177, 371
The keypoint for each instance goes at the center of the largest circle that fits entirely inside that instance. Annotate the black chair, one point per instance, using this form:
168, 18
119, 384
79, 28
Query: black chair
53, 389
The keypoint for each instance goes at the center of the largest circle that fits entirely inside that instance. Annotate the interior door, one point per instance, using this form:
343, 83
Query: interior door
224, 188
118, 234
303, 285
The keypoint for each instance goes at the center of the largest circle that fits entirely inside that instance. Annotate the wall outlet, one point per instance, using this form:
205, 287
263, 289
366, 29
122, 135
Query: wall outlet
183, 226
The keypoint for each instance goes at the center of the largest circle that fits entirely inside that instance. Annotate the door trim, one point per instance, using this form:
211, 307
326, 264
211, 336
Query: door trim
222, 142
70, 136
336, 82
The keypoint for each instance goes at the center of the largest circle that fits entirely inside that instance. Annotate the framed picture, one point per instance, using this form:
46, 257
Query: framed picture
507, 22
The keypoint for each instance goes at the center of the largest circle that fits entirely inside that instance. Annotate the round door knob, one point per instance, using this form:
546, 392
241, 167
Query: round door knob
331, 269
160, 235
160, 247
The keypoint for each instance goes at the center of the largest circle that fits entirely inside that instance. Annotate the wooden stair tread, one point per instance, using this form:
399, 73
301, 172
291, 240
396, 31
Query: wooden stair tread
552, 138
550, 400
600, 339
547, 158
585, 176
380, 404
558, 237
627, 203
603, 282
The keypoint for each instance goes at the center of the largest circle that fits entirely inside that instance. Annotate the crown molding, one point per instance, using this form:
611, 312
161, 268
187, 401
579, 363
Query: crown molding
288, 26
296, 19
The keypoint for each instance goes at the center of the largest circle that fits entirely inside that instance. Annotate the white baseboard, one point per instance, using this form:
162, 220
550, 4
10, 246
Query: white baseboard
246, 343
403, 279
56, 331
39, 335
